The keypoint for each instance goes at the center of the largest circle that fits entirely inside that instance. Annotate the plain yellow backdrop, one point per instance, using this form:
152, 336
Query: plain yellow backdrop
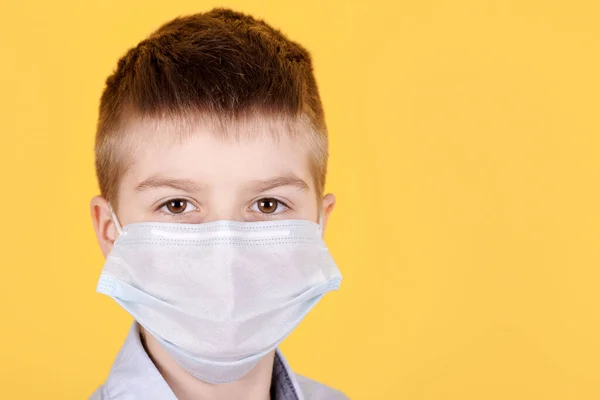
465, 157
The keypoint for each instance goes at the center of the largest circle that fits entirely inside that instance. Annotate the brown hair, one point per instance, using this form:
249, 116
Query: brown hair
221, 66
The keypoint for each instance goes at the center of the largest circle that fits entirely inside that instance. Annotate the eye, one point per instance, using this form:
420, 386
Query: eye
177, 206
269, 205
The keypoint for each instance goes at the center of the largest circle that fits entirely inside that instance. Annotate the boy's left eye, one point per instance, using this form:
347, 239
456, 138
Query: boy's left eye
269, 205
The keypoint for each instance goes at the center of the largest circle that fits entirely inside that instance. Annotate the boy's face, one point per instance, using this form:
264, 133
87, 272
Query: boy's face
207, 178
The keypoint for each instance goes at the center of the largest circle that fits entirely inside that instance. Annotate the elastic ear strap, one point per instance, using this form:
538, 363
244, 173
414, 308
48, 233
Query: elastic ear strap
321, 219
115, 220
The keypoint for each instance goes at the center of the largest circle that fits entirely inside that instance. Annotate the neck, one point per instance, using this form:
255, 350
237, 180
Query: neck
255, 385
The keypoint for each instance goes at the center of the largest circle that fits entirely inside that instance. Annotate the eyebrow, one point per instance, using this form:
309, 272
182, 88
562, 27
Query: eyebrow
188, 185
157, 181
268, 184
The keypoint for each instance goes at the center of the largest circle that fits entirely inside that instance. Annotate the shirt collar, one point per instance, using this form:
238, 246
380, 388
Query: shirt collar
133, 375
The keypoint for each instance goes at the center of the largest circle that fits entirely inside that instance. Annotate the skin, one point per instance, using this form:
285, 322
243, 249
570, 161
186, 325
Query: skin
207, 178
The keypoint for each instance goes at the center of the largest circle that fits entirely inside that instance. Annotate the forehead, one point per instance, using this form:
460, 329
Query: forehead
234, 155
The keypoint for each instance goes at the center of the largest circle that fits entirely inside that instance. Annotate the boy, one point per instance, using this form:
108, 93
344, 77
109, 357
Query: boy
211, 155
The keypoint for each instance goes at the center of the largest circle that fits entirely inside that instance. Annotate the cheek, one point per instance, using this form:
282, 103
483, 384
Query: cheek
308, 207
131, 207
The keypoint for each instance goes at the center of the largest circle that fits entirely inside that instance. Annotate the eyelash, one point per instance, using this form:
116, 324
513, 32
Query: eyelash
174, 215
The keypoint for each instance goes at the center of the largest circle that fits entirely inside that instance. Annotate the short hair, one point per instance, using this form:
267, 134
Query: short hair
221, 66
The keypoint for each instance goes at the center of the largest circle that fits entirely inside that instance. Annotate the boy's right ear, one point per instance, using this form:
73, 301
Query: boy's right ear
106, 231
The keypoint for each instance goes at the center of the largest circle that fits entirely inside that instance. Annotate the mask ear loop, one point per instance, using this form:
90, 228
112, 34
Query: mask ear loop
321, 222
115, 220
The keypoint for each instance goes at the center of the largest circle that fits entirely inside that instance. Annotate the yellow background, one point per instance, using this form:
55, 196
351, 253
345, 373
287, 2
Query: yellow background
465, 158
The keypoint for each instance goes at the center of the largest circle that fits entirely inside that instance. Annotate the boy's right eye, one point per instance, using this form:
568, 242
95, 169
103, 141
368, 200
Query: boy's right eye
177, 206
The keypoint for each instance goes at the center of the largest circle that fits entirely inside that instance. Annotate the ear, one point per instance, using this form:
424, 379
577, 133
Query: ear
106, 231
327, 205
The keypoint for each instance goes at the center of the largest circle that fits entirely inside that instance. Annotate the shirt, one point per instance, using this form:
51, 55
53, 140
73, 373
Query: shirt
134, 376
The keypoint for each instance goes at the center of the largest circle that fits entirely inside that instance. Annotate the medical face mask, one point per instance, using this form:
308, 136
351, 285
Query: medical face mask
219, 296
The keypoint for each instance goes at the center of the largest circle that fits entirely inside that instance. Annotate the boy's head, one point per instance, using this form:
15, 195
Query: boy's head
214, 116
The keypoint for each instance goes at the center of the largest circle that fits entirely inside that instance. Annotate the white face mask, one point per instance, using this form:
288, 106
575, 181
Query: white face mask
219, 296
